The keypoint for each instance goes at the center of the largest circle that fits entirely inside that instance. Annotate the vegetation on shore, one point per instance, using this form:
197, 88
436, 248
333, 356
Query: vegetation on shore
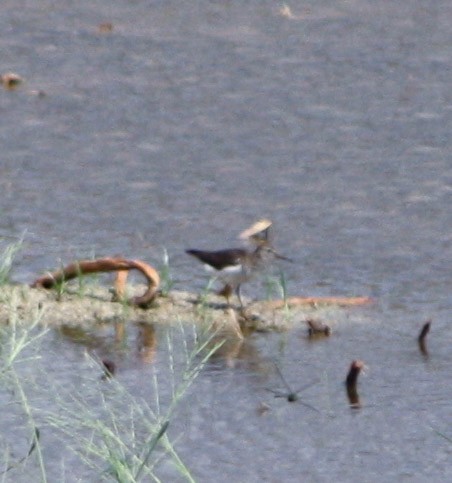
113, 435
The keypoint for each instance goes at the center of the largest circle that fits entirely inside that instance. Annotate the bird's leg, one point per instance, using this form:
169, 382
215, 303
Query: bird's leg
237, 291
226, 292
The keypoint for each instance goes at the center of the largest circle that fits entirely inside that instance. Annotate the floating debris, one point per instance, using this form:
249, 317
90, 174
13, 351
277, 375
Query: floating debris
318, 328
286, 11
38, 93
105, 27
10, 81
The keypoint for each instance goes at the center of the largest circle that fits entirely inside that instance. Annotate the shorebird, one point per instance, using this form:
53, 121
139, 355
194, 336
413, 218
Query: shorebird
236, 265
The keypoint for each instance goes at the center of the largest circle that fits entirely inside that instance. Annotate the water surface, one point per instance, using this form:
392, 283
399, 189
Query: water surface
187, 123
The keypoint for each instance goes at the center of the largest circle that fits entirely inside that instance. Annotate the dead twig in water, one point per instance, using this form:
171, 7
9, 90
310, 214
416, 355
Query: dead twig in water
111, 264
315, 301
351, 383
422, 337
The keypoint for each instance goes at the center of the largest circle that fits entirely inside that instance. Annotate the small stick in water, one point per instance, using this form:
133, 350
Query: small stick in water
351, 383
422, 336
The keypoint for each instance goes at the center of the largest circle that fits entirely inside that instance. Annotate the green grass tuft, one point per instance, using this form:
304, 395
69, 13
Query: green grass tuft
7, 259
166, 279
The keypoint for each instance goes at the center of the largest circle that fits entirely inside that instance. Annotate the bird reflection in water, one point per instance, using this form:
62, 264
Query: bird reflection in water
233, 350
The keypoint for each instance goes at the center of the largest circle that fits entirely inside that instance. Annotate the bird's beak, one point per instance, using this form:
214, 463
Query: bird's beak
282, 257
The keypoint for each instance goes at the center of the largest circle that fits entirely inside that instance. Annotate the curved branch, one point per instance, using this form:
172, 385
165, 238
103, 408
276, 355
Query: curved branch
110, 264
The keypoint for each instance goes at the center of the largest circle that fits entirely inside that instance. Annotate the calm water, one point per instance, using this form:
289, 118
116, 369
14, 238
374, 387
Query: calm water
191, 120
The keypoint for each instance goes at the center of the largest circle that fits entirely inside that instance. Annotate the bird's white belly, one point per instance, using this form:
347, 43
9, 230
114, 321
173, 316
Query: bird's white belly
233, 275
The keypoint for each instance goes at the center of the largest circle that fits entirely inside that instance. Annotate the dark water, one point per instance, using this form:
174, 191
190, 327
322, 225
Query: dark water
191, 120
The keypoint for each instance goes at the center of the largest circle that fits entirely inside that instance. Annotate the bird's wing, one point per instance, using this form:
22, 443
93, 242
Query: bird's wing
219, 259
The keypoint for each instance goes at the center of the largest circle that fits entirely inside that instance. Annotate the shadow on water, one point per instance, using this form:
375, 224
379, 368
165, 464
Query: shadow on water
290, 394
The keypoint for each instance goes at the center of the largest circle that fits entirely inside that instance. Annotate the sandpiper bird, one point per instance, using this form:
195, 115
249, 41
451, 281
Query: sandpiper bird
236, 265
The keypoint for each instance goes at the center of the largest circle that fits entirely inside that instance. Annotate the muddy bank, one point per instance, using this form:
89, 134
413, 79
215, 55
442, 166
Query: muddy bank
93, 304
